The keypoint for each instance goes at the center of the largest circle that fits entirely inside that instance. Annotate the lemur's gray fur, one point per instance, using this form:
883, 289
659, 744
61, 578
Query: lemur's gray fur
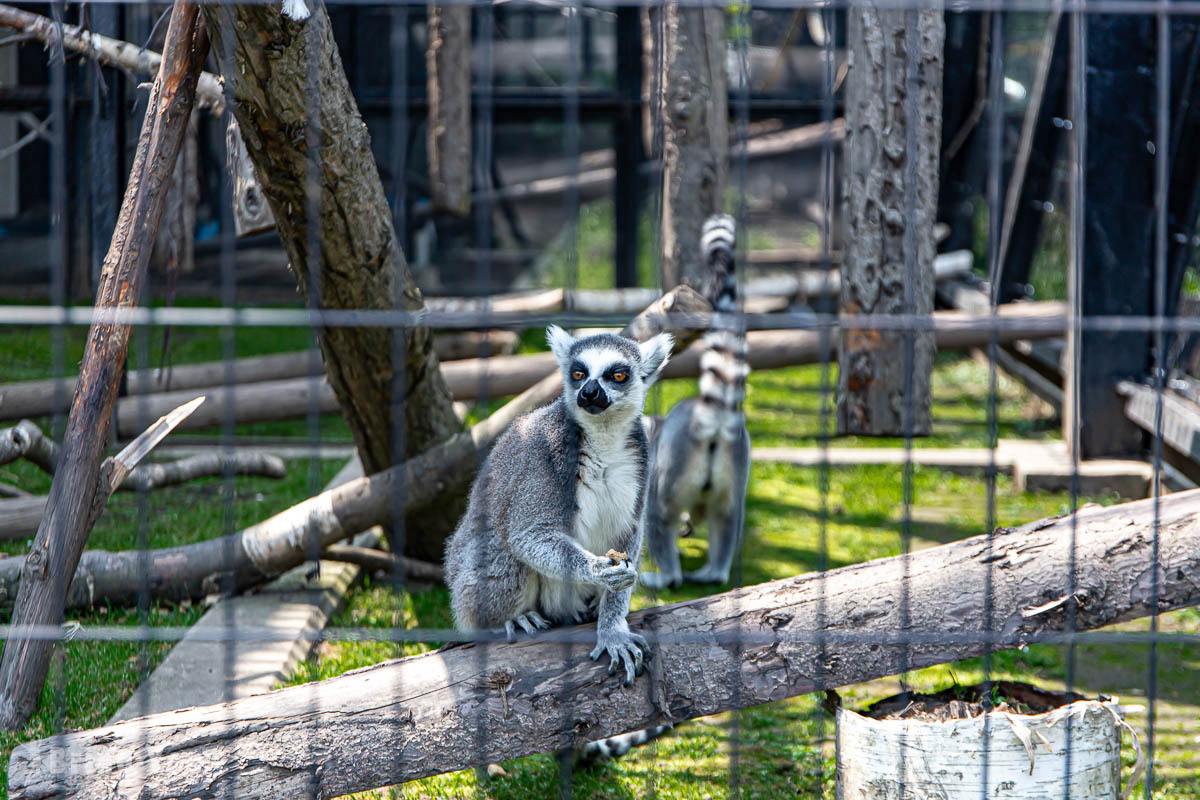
700, 454
562, 487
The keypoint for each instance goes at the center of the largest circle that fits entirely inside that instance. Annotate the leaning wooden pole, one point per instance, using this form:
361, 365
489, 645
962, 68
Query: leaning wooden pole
474, 704
64, 530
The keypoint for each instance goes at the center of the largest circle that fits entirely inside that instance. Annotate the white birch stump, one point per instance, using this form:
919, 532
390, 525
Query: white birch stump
1026, 756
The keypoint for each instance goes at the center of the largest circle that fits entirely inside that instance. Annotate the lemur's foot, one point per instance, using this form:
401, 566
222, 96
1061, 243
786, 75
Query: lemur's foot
707, 574
624, 648
530, 622
588, 614
657, 581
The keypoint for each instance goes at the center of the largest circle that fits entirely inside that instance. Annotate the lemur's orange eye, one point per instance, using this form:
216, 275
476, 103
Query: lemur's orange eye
577, 374
620, 377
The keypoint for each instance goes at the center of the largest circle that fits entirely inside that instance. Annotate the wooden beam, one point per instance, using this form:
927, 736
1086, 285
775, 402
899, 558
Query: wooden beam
473, 704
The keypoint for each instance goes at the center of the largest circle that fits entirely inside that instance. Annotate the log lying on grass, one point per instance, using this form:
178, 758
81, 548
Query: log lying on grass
35, 398
373, 559
474, 704
500, 376
26, 440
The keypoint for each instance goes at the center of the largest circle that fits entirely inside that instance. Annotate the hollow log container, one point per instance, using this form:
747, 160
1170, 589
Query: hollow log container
982, 757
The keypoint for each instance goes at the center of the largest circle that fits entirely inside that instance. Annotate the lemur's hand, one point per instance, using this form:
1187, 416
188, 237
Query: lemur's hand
625, 648
614, 577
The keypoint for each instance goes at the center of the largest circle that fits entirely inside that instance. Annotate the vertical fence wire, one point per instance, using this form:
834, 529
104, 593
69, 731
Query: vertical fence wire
1162, 155
995, 118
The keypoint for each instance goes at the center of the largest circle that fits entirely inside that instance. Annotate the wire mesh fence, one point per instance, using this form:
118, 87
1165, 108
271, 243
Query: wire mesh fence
959, 270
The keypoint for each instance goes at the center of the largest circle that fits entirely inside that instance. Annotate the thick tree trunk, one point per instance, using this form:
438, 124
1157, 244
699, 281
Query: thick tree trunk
893, 133
288, 121
474, 704
71, 506
448, 64
695, 112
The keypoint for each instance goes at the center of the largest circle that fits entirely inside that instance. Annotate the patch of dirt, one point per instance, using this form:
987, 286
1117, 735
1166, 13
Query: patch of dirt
965, 702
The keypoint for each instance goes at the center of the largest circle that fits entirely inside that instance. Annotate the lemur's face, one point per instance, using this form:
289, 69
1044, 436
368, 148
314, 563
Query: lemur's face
605, 374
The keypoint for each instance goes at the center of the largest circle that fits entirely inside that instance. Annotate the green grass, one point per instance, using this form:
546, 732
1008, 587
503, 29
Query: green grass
800, 520
29, 352
89, 681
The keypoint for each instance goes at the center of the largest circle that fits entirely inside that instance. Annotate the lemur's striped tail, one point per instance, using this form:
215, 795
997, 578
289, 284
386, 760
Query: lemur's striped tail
616, 746
723, 367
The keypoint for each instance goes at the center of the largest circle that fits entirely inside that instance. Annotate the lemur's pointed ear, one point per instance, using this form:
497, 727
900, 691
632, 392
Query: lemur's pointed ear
655, 354
560, 342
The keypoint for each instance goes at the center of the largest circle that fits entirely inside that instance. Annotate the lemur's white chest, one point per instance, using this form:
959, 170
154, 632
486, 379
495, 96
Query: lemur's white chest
606, 491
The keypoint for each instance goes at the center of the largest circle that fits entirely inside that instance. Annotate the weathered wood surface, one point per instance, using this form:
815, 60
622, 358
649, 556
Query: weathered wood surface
71, 508
893, 136
695, 118
26, 440
448, 86
352, 259
474, 704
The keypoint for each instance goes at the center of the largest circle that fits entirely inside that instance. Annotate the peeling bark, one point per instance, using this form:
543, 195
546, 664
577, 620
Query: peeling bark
891, 167
474, 704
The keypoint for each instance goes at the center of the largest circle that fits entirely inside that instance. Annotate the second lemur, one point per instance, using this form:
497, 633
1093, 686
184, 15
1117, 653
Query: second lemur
700, 455
563, 487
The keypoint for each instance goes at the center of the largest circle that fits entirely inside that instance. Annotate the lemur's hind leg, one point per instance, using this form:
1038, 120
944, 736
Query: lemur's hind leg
660, 529
726, 518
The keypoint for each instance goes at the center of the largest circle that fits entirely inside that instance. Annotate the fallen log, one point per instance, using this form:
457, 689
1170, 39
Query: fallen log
251, 556
36, 398
28, 441
479, 703
373, 559
20, 517
501, 376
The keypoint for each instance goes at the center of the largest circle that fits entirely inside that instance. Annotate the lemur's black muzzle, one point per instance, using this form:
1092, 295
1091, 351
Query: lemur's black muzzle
592, 398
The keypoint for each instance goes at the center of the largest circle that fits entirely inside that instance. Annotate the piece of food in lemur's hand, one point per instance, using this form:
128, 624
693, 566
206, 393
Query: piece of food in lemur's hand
616, 556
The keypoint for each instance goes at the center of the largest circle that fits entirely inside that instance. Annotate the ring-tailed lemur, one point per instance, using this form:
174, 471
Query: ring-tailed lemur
700, 455
563, 484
